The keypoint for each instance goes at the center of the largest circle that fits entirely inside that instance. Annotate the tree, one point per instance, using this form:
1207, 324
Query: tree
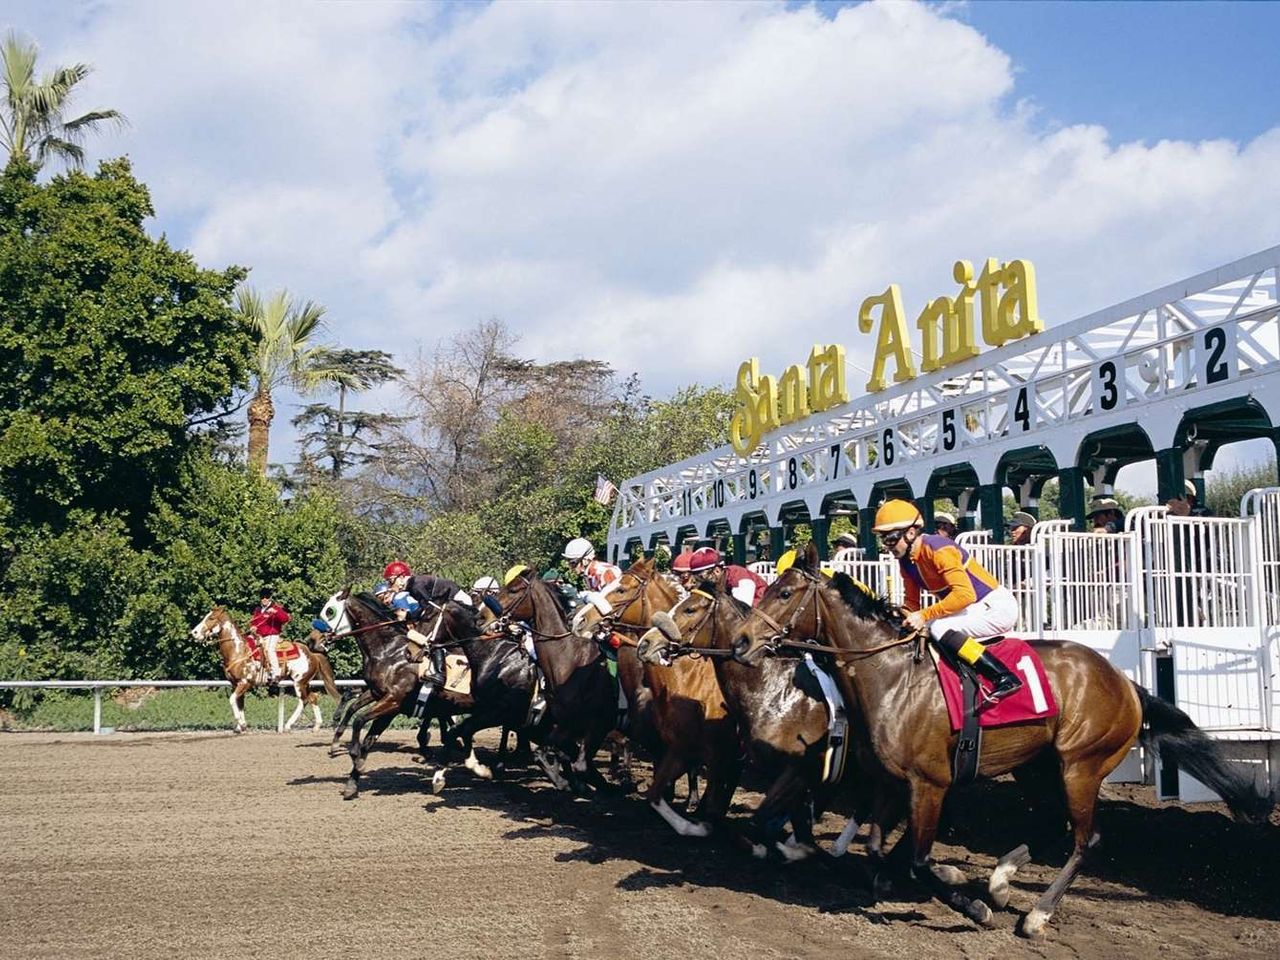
327, 426
115, 347
31, 117
283, 353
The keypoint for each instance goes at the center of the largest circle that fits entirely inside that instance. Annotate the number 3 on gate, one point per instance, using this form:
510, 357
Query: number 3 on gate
1026, 666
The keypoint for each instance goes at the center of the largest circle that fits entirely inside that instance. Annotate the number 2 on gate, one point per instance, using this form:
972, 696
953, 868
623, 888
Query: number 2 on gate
1027, 667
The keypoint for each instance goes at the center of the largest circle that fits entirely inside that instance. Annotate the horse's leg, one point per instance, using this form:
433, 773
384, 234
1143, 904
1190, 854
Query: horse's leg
668, 770
926, 806
237, 705
347, 707
1041, 784
1081, 781
387, 707
299, 688
315, 712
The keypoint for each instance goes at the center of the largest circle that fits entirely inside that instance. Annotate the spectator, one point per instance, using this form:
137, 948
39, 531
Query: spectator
845, 547
1188, 505
944, 524
1106, 516
1020, 525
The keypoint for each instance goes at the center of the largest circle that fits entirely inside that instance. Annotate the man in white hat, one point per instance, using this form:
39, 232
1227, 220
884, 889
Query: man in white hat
844, 547
944, 524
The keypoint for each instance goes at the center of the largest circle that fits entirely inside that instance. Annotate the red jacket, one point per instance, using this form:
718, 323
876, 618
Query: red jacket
743, 584
267, 623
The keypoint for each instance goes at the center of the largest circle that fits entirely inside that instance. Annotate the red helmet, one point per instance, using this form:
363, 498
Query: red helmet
396, 568
680, 562
703, 559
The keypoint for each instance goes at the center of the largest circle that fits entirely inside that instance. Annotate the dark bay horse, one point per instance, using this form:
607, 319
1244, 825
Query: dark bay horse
581, 694
392, 680
676, 710
781, 719
904, 723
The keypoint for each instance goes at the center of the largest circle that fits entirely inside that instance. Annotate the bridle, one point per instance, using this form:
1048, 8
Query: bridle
537, 634
781, 638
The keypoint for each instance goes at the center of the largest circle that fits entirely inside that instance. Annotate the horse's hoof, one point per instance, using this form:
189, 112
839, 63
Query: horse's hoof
335, 752
951, 876
350, 792
1032, 926
980, 914
881, 886
437, 781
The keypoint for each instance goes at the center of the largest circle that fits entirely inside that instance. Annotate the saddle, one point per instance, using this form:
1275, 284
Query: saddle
964, 692
286, 650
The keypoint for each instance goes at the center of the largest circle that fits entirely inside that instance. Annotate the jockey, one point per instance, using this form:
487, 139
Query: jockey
268, 617
598, 574
972, 605
741, 584
680, 569
432, 593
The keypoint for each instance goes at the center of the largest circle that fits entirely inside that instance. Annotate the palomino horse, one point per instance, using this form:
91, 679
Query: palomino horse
904, 723
778, 717
392, 680
581, 695
245, 671
677, 710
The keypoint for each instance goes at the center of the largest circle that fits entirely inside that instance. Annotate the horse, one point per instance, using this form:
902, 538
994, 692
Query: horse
581, 694
904, 723
392, 680
780, 717
246, 671
677, 710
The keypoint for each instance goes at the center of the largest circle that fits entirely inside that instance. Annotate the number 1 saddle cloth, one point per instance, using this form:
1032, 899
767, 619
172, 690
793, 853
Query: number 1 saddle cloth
1032, 703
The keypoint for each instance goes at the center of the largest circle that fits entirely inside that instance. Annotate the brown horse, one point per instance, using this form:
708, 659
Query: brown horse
581, 694
780, 717
904, 723
678, 710
246, 671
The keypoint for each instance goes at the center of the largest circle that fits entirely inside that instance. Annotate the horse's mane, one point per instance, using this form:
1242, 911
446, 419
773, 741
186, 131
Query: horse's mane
862, 601
370, 602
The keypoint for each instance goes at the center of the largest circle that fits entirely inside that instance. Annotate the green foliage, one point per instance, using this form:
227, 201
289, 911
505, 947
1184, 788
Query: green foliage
111, 343
1224, 490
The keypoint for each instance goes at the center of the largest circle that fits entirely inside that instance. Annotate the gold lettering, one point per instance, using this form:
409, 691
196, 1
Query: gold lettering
932, 317
757, 408
1018, 314
891, 341
958, 341
826, 377
793, 394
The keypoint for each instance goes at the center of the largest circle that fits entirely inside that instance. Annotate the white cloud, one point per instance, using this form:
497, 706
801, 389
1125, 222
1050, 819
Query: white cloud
668, 187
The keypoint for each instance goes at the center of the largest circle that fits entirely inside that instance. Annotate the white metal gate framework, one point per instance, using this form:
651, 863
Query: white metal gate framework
1203, 592
1212, 337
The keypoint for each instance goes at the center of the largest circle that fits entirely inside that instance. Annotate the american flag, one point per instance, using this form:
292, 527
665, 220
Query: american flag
604, 489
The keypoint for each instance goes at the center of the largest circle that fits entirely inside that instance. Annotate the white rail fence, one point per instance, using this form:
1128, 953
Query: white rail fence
97, 686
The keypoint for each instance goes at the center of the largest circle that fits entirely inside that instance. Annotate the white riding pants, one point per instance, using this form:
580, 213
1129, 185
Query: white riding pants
993, 615
269, 644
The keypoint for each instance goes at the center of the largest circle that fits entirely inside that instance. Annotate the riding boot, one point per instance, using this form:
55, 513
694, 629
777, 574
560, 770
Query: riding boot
1004, 681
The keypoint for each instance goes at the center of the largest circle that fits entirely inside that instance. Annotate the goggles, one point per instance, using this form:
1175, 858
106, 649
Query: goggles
888, 540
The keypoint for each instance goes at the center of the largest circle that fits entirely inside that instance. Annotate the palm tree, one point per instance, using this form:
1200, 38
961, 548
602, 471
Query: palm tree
31, 113
284, 331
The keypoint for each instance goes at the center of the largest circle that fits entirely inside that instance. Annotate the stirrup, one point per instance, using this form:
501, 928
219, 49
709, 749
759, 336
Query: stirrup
1003, 687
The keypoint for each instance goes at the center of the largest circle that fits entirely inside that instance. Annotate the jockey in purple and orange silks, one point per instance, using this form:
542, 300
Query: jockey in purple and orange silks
973, 604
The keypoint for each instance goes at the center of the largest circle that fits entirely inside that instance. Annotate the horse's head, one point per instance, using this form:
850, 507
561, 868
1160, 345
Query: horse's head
334, 617
806, 604
706, 618
213, 625
516, 595
789, 609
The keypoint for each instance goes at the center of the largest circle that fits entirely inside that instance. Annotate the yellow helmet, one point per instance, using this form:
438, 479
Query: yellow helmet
785, 562
514, 572
897, 515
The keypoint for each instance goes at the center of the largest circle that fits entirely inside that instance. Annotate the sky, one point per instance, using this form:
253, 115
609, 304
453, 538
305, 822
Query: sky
675, 187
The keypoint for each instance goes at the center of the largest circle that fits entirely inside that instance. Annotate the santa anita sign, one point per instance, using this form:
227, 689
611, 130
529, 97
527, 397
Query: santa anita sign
1006, 299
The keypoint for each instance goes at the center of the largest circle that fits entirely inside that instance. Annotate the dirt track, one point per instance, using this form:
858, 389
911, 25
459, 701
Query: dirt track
212, 845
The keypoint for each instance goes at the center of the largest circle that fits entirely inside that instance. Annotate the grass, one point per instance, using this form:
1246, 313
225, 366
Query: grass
143, 708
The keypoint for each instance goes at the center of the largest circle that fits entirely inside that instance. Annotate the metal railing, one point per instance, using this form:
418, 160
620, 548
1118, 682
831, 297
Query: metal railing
97, 686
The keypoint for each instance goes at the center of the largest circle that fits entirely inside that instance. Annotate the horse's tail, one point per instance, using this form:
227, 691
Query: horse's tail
326, 674
1172, 734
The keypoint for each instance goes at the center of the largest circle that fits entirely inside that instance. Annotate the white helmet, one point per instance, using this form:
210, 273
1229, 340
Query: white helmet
486, 585
579, 549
